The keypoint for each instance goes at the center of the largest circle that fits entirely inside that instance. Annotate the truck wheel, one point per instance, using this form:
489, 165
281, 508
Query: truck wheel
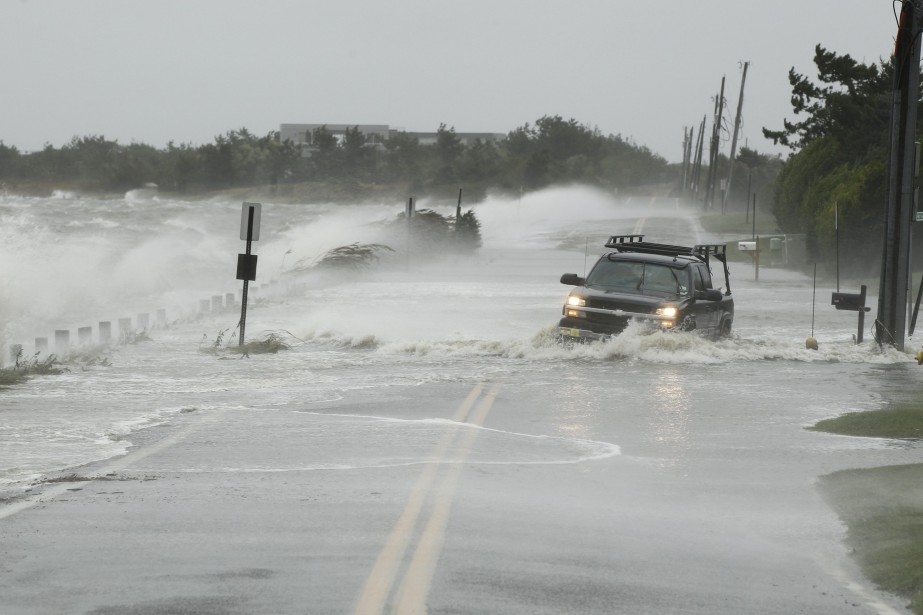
725, 329
688, 324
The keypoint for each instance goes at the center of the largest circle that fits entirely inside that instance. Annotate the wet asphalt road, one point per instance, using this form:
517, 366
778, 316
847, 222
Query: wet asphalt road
557, 490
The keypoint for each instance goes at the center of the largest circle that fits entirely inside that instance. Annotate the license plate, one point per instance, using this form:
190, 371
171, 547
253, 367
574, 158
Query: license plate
570, 332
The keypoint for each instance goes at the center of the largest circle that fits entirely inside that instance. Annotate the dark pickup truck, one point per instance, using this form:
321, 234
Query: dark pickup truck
668, 286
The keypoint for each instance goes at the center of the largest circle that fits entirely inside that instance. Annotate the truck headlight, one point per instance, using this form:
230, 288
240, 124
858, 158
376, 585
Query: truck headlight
576, 300
668, 311
574, 313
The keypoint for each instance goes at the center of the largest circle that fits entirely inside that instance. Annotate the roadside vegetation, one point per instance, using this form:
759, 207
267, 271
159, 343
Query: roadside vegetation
740, 223
25, 367
267, 342
883, 507
40, 364
835, 181
883, 512
430, 233
550, 151
903, 420
353, 257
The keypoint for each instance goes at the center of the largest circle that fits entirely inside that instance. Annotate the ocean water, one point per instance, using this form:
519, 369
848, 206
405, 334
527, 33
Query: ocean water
412, 318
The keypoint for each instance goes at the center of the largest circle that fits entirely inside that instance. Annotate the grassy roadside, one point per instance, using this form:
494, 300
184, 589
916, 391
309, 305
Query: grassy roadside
883, 507
900, 421
739, 223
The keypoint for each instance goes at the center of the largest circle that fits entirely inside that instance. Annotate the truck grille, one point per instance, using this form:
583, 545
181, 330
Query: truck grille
603, 323
607, 304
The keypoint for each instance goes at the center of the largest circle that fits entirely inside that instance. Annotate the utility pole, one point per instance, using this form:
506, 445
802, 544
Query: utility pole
713, 151
749, 190
895, 265
697, 165
688, 181
740, 106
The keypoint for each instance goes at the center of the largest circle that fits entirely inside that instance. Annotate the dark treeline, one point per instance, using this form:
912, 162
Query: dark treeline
553, 150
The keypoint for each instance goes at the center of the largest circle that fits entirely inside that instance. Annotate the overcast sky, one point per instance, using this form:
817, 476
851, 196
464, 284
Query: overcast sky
188, 70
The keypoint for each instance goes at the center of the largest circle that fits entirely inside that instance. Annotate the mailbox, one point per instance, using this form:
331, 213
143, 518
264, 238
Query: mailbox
854, 302
848, 301
746, 246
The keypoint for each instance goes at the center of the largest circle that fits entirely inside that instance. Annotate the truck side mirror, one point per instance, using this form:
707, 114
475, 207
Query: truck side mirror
572, 279
712, 294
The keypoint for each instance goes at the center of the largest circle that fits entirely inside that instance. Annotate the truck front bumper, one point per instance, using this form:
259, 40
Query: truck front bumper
582, 335
615, 321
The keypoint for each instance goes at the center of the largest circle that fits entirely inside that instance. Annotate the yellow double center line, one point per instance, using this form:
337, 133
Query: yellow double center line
412, 593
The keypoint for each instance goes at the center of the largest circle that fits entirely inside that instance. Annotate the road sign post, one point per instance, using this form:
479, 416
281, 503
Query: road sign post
246, 263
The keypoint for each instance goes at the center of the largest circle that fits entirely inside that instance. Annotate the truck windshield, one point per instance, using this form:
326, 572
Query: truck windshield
637, 278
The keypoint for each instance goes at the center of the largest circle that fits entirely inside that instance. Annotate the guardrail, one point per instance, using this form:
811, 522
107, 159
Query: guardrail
61, 341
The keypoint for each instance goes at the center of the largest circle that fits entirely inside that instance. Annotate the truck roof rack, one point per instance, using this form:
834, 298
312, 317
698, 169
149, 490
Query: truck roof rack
636, 243
703, 252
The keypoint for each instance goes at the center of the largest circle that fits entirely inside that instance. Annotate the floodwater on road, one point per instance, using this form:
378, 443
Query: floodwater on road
666, 443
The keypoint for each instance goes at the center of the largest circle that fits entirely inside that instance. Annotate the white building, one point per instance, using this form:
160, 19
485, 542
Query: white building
301, 134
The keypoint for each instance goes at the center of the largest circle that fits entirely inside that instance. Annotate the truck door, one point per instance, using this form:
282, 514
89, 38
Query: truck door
706, 312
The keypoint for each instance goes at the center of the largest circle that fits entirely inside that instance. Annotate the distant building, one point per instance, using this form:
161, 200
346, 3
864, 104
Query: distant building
467, 138
301, 134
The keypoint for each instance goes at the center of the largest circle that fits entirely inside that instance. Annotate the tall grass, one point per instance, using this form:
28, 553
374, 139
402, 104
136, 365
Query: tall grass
23, 368
267, 342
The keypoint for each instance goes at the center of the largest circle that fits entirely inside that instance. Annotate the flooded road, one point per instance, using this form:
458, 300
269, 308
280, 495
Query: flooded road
425, 445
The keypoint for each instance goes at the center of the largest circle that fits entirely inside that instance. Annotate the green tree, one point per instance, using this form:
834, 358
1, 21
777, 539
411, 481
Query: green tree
357, 154
754, 171
566, 139
282, 158
92, 161
326, 155
182, 168
851, 104
9, 162
449, 147
217, 161
839, 144
404, 158
537, 171
136, 165
556, 150
468, 232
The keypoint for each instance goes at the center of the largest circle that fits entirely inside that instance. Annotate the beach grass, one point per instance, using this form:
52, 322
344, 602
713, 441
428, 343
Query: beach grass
23, 369
269, 342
